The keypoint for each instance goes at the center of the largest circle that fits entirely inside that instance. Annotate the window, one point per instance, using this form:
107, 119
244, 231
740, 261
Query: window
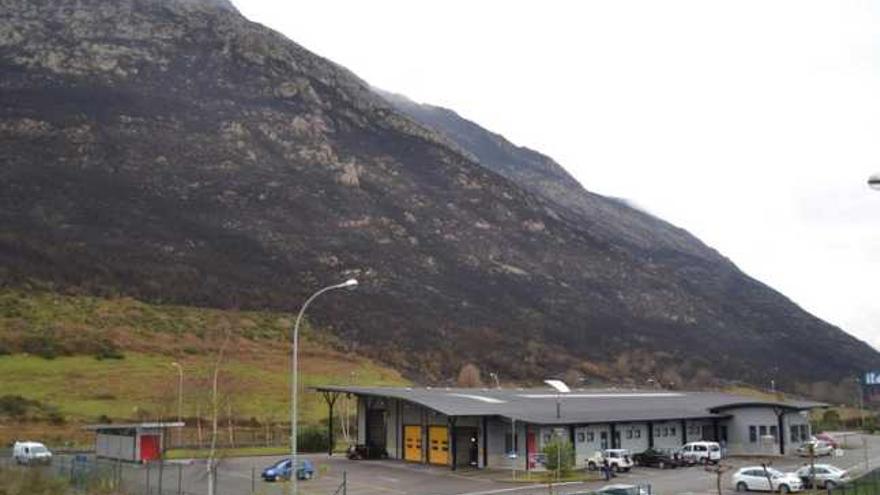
509, 442
629, 434
753, 434
546, 438
763, 430
672, 431
795, 434
774, 432
637, 433
805, 433
591, 437
665, 431
581, 437
657, 432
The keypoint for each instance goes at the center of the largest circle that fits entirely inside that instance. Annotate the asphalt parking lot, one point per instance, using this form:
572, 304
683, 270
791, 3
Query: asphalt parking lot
395, 477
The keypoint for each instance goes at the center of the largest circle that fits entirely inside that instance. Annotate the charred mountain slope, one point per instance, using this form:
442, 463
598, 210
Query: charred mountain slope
174, 151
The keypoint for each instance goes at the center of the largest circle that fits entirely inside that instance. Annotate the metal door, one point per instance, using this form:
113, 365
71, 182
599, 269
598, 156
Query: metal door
438, 445
412, 437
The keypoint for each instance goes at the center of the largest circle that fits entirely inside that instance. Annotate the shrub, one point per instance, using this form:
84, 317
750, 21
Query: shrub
312, 439
559, 450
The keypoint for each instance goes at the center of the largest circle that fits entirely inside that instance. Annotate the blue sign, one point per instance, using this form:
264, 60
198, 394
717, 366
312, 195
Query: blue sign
872, 378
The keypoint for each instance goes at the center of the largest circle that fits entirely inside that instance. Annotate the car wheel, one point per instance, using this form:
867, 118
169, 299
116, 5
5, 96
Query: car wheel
829, 484
661, 465
784, 489
309, 475
741, 486
591, 466
617, 468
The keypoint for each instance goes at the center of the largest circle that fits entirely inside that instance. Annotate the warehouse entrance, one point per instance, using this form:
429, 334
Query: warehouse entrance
467, 447
412, 441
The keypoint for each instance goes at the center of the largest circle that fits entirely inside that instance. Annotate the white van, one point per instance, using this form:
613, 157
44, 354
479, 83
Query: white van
31, 453
700, 453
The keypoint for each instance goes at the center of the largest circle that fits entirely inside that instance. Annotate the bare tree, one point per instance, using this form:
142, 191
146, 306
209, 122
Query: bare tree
469, 376
215, 413
718, 470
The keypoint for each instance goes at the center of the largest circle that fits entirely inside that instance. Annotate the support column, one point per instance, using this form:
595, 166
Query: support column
684, 432
650, 435
453, 444
330, 398
485, 442
716, 430
780, 415
614, 437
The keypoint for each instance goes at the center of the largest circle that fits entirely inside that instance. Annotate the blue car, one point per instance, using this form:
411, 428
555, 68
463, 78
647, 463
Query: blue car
281, 470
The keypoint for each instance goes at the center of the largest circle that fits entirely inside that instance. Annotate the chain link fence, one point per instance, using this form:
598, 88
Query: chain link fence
869, 484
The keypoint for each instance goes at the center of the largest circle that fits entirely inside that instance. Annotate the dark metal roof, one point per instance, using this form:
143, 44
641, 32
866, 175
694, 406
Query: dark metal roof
128, 426
580, 406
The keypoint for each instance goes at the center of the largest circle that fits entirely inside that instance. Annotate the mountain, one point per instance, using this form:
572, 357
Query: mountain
175, 152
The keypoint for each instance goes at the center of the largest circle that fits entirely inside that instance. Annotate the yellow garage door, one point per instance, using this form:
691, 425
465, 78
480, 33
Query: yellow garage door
412, 436
438, 440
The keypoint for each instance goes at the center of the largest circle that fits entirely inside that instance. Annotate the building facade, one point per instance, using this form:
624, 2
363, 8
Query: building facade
509, 428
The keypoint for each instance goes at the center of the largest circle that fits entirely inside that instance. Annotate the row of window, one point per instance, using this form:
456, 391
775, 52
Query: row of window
757, 431
799, 433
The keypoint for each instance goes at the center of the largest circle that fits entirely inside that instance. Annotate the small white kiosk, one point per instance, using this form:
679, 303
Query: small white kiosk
133, 442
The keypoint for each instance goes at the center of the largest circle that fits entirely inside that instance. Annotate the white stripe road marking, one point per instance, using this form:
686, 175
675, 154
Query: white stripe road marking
520, 488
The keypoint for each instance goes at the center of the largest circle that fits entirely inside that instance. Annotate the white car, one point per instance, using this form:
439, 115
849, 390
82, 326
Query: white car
826, 475
700, 453
820, 448
758, 478
619, 460
31, 453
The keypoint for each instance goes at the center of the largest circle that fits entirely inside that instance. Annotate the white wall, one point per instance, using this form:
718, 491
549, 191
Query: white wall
633, 436
392, 430
667, 435
738, 440
587, 440
115, 446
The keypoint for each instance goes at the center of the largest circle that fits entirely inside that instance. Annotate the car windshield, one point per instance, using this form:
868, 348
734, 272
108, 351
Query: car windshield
39, 449
284, 463
774, 473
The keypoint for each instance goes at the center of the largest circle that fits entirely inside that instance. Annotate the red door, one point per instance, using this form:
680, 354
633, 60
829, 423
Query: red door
149, 448
531, 449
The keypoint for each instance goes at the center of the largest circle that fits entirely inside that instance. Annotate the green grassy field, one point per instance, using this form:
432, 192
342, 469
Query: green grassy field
138, 381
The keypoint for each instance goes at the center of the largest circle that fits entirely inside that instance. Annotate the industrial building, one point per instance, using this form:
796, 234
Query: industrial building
508, 428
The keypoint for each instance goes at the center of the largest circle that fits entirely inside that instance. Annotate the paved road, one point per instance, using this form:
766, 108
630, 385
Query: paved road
394, 477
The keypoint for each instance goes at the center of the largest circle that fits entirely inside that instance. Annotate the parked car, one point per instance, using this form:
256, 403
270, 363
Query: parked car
623, 490
820, 448
758, 478
826, 475
655, 458
619, 460
827, 438
700, 453
281, 470
31, 453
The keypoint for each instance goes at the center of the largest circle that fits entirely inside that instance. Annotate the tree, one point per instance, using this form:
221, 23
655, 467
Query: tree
211, 464
469, 376
559, 456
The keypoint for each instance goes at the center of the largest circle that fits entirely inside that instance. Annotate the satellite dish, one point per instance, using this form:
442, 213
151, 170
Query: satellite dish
558, 385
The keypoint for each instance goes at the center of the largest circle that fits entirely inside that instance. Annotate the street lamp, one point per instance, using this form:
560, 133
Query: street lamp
294, 481
874, 181
179, 400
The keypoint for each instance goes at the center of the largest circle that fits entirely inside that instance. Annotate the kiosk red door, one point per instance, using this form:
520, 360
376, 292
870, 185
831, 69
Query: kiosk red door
149, 447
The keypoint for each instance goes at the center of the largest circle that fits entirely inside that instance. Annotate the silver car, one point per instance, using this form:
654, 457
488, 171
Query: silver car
819, 447
827, 476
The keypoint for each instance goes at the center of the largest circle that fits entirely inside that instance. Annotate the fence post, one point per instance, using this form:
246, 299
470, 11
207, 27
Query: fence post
253, 480
148, 477
344, 483
180, 479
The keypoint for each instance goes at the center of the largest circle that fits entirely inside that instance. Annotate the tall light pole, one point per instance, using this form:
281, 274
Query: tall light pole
294, 481
179, 400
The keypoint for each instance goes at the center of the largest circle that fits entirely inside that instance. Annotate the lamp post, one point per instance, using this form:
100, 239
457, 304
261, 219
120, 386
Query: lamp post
179, 400
294, 481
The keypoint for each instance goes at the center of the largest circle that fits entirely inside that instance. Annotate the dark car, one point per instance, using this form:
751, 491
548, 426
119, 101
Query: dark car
281, 470
654, 458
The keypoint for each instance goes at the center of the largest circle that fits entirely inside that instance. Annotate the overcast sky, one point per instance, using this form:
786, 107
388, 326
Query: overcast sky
752, 124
